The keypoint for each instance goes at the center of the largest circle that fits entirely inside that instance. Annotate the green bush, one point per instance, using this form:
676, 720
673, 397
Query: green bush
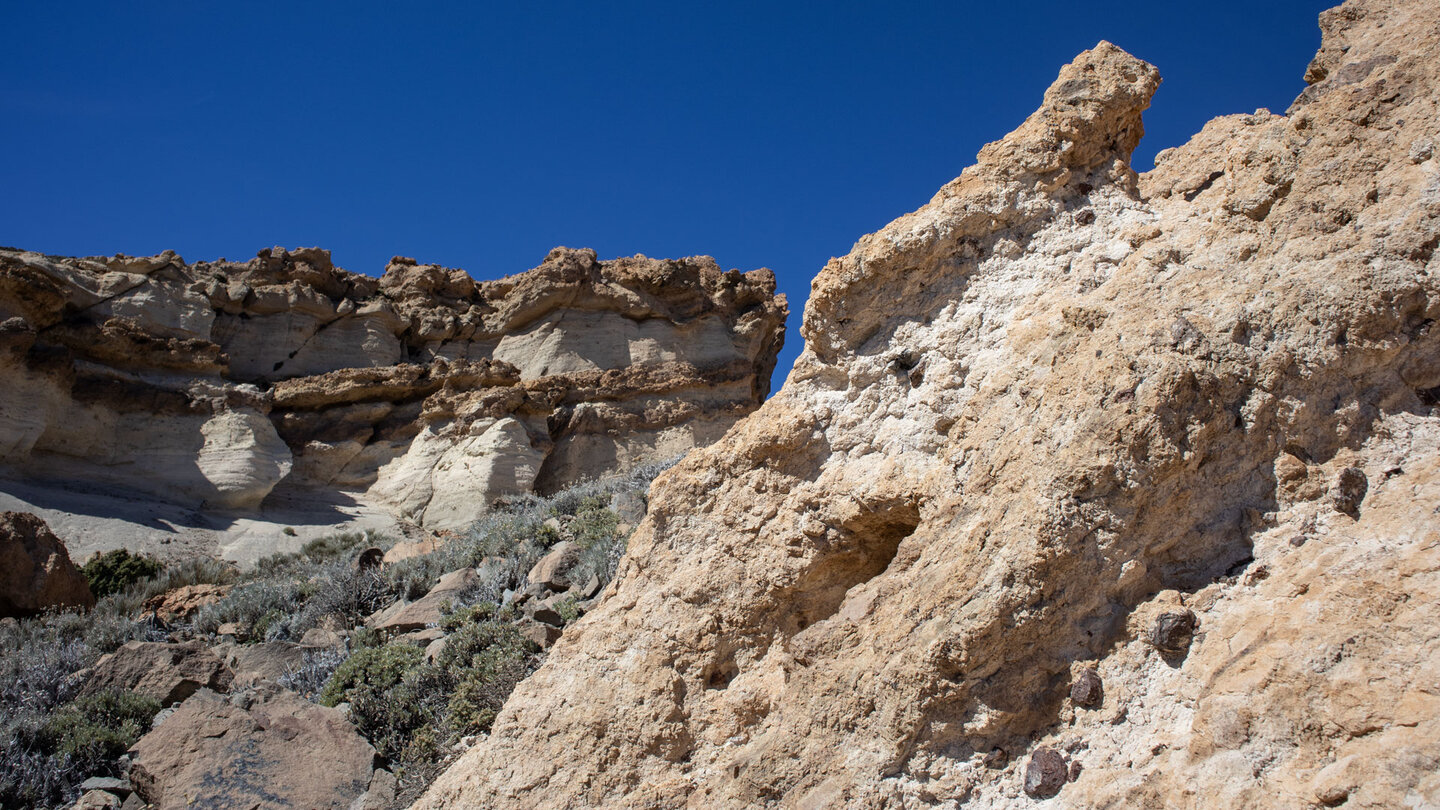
115, 571
374, 669
487, 660
390, 718
472, 614
45, 756
98, 728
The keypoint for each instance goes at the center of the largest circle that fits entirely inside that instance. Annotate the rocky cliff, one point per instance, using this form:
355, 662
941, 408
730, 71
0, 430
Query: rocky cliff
1113, 488
424, 392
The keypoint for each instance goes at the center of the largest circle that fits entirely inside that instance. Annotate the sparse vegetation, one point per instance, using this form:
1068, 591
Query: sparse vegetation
50, 739
412, 710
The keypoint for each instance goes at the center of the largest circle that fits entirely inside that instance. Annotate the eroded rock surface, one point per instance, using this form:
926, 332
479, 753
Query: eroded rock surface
166, 672
1046, 414
36, 572
423, 391
266, 751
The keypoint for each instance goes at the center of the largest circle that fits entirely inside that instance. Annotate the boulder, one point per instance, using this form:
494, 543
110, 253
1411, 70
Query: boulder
552, 569
109, 784
1046, 773
278, 752
428, 609
421, 638
545, 613
167, 672
541, 633
35, 569
98, 800
381, 795
267, 661
408, 549
369, 559
434, 649
181, 603
317, 638
1087, 690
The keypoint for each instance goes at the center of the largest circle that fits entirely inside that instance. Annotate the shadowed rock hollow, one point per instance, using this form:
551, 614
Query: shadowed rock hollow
1177, 428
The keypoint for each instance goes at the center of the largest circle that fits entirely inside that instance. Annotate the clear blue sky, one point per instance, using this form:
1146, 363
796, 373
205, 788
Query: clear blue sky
480, 135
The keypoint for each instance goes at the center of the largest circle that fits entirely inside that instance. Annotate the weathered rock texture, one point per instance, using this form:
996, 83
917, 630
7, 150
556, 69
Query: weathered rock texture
166, 672
1033, 417
271, 751
36, 572
425, 390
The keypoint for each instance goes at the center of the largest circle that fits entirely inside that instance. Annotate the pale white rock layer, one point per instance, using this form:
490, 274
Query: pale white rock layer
211, 385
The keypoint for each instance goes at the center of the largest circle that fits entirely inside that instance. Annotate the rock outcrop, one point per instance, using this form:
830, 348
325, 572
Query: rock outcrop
36, 572
1179, 429
167, 672
255, 751
423, 391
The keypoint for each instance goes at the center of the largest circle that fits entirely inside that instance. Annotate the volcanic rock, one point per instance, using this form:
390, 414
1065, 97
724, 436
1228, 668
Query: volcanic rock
35, 569
1087, 690
1046, 773
1172, 631
280, 752
267, 661
1030, 417
167, 672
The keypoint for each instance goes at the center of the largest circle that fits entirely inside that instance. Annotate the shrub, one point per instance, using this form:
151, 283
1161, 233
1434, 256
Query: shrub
44, 758
256, 605
374, 669
389, 718
115, 571
316, 668
487, 659
96, 729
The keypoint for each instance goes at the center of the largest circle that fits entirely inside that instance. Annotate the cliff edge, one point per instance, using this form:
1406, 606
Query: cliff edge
226, 387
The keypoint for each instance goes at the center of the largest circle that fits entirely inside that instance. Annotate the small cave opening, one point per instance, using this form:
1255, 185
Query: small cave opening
859, 550
721, 673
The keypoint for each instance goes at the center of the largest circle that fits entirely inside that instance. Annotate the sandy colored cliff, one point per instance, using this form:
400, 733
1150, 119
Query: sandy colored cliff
1089, 490
225, 388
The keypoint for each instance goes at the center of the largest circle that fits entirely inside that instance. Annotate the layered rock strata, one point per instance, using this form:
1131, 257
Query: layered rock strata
1089, 488
425, 391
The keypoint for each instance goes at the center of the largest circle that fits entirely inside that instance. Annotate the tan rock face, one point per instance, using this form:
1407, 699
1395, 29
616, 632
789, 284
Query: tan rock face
167, 672
428, 609
1061, 418
424, 391
181, 603
270, 752
35, 569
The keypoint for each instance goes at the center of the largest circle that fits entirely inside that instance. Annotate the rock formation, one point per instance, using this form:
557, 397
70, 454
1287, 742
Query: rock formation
423, 391
36, 572
255, 751
1177, 428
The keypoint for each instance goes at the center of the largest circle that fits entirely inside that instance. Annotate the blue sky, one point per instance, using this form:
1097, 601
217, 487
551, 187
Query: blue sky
481, 135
